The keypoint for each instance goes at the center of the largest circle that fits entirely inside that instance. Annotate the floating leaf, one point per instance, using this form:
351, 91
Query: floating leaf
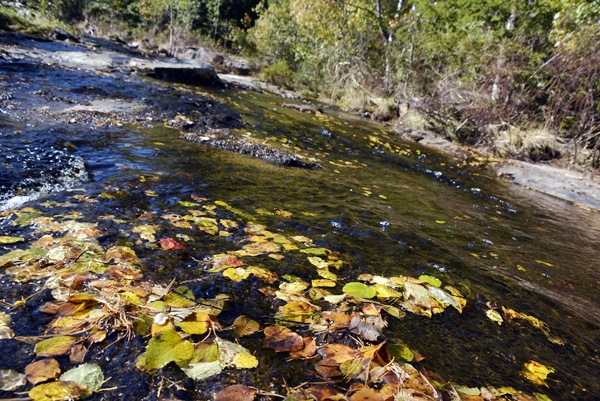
167, 347
365, 330
367, 394
323, 283
236, 392
229, 352
541, 262
536, 372
10, 380
197, 323
245, 361
265, 275
178, 301
280, 341
146, 232
170, 244
359, 290
42, 370
203, 370
236, 274
318, 262
54, 391
296, 311
400, 352
10, 240
494, 316
244, 326
316, 251
88, 376
55, 346
433, 281
5, 331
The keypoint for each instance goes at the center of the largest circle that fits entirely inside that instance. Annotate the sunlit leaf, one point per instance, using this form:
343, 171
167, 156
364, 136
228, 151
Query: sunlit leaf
167, 347
323, 283
197, 323
494, 316
55, 346
236, 392
263, 274
259, 248
244, 326
54, 391
5, 331
386, 292
541, 262
205, 352
467, 390
10, 240
178, 301
245, 361
296, 311
541, 397
203, 370
360, 290
326, 274
229, 352
42, 370
310, 348
236, 274
433, 281
335, 299
318, 262
365, 330
10, 380
146, 232
88, 376
536, 373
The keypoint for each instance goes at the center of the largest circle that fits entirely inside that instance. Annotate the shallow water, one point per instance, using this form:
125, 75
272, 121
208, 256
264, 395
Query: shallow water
388, 207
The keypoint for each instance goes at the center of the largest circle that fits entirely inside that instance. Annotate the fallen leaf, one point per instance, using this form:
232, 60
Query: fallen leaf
367, 394
245, 361
536, 373
166, 347
89, 376
310, 348
359, 290
55, 346
494, 316
10, 380
42, 370
169, 244
10, 240
236, 392
281, 341
55, 391
433, 281
244, 326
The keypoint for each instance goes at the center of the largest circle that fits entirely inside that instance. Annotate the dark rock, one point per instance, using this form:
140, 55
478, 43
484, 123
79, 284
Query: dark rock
237, 66
60, 34
302, 108
187, 74
223, 139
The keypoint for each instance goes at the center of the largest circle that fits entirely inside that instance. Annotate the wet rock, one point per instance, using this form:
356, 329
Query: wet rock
303, 108
224, 139
60, 34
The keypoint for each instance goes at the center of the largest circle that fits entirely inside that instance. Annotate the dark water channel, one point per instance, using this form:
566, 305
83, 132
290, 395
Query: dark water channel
388, 207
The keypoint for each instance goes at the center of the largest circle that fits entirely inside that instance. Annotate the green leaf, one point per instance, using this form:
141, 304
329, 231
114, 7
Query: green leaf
55, 346
10, 240
316, 251
88, 376
167, 347
433, 281
359, 290
203, 370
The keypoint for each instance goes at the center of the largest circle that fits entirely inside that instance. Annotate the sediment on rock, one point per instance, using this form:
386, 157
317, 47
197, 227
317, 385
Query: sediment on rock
225, 140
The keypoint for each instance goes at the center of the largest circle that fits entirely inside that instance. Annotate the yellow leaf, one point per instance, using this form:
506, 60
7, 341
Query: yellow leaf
54, 391
536, 372
245, 361
440, 221
323, 283
326, 274
55, 346
318, 262
10, 240
236, 274
544, 263
494, 316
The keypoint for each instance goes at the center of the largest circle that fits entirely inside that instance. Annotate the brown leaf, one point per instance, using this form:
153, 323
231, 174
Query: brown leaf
367, 394
40, 371
338, 353
244, 326
50, 308
323, 392
310, 348
285, 342
236, 392
366, 331
78, 353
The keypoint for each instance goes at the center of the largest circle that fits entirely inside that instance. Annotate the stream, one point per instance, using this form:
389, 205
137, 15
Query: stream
385, 206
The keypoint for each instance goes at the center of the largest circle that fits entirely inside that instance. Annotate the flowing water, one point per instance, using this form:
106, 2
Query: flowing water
386, 206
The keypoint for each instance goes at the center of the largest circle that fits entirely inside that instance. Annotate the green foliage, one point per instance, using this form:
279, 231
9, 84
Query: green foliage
278, 74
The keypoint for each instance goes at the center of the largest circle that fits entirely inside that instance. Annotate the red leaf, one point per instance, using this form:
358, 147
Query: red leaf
171, 244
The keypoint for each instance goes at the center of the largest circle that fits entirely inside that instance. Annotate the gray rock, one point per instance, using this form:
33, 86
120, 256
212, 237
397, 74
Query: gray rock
209, 56
237, 66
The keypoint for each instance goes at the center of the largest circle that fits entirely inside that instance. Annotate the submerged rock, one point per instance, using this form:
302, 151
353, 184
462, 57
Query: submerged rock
224, 139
